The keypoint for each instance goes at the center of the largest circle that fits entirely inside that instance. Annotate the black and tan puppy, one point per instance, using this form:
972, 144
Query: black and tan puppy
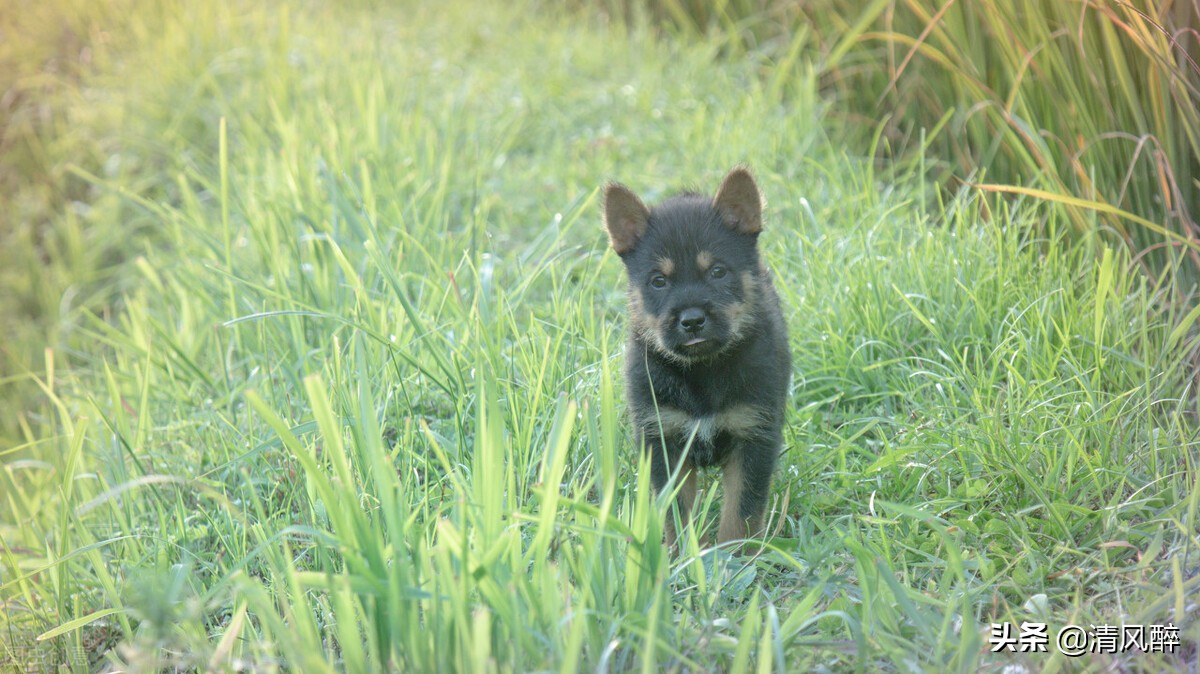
707, 363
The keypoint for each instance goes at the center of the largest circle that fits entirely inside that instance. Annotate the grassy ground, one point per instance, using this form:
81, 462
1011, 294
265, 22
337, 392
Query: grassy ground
335, 384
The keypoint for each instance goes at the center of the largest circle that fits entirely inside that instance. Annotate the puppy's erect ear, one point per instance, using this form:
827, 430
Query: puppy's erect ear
739, 202
625, 217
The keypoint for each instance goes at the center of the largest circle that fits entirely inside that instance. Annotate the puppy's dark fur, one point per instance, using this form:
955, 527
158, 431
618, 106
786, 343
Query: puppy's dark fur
707, 362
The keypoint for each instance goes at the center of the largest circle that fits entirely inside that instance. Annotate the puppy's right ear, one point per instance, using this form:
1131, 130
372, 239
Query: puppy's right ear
625, 217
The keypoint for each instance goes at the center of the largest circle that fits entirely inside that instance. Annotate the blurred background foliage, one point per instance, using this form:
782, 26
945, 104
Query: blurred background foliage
1092, 99
1092, 106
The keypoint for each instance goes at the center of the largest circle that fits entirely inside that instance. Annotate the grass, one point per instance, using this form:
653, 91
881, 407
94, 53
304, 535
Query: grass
1092, 103
1092, 100
343, 394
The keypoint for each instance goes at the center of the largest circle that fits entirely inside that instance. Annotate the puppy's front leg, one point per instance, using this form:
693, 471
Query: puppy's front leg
662, 464
747, 482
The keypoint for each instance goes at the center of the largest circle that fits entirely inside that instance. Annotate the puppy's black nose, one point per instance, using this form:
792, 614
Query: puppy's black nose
692, 319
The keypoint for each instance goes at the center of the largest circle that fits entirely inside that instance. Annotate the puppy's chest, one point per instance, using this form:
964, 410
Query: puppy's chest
708, 413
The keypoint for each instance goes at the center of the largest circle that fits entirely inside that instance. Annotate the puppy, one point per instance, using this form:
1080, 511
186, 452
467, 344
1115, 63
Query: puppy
707, 363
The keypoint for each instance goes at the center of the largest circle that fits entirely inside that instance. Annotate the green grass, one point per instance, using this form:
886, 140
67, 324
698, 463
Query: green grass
1093, 103
1093, 100
342, 392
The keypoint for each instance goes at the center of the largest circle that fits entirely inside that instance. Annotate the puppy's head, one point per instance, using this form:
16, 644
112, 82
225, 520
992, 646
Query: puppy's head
693, 266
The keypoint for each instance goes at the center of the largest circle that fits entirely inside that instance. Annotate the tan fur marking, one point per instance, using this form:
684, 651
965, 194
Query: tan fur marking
750, 289
739, 420
639, 320
666, 265
732, 526
647, 326
739, 314
676, 421
661, 344
687, 493
650, 328
673, 420
704, 260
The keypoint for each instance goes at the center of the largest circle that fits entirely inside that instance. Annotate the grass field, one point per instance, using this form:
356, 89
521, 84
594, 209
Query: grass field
315, 352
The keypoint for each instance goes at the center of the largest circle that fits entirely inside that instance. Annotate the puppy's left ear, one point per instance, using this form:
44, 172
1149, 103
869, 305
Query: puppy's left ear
739, 202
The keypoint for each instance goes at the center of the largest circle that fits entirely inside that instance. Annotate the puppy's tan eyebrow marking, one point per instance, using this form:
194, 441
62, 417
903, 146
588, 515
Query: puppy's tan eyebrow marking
704, 260
666, 265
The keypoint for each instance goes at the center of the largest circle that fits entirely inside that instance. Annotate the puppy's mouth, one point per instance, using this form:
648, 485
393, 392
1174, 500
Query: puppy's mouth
696, 346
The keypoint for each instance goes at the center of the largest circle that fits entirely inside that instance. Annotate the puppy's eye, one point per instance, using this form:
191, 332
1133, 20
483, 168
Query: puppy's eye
658, 281
718, 271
